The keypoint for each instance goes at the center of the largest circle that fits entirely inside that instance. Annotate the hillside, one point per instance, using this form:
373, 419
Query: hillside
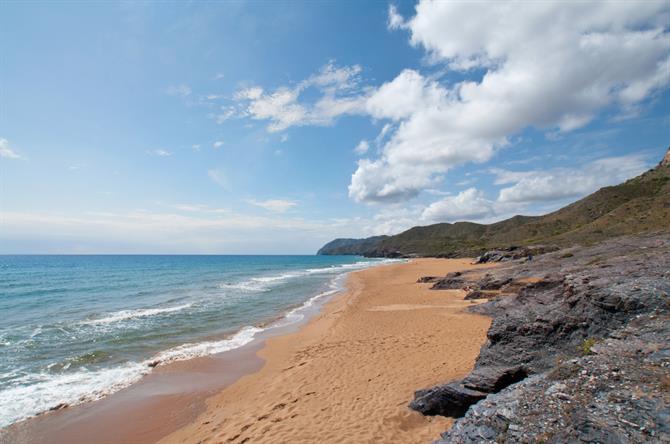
639, 205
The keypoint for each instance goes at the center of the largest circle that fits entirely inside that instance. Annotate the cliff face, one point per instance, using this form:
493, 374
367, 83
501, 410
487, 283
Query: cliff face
639, 205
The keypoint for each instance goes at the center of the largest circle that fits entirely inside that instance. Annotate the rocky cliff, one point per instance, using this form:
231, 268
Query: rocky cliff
578, 351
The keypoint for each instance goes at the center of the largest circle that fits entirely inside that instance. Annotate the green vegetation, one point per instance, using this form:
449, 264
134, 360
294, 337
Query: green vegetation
586, 346
639, 205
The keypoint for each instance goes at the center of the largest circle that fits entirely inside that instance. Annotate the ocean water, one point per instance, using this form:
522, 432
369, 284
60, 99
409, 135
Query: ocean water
75, 328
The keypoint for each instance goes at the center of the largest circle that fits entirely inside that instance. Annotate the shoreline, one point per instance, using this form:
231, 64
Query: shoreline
349, 374
171, 387
173, 399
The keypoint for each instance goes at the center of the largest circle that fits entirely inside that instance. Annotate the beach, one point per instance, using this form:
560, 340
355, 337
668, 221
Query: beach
345, 374
349, 374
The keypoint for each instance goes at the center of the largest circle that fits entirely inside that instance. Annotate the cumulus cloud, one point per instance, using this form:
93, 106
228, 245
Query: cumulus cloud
339, 89
6, 151
470, 204
555, 67
274, 205
563, 183
217, 144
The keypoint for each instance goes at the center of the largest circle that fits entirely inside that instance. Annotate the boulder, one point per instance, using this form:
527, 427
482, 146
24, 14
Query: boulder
447, 400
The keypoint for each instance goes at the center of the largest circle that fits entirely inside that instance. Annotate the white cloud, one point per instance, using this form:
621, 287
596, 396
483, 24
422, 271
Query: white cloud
362, 147
253, 93
555, 66
161, 153
6, 151
395, 20
228, 112
179, 90
470, 204
135, 231
195, 147
283, 108
219, 76
274, 205
283, 138
218, 144
563, 183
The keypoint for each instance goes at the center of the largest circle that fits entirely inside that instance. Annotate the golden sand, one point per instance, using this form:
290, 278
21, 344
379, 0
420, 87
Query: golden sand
348, 375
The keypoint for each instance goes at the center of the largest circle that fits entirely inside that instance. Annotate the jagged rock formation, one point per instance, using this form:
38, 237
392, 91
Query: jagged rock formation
589, 342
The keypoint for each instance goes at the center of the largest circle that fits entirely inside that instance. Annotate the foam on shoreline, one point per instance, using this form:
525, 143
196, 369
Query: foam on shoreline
47, 391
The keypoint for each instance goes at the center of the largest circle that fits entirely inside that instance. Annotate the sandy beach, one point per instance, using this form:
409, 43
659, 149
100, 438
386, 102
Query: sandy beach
349, 374
346, 375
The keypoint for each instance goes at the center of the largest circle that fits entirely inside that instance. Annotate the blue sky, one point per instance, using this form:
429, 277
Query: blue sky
273, 127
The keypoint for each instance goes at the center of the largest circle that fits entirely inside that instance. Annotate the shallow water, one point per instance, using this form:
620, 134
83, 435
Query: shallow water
75, 328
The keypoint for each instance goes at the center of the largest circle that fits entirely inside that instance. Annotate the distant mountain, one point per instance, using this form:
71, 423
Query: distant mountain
639, 205
350, 246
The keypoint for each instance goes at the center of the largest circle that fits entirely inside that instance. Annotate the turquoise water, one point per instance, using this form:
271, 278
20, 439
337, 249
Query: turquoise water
75, 328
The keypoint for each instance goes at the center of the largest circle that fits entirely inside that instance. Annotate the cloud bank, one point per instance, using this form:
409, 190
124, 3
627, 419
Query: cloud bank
547, 65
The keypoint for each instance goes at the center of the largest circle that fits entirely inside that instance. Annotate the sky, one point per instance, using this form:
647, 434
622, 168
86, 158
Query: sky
273, 127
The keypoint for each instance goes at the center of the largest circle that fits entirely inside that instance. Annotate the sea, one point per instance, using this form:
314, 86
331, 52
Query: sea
77, 328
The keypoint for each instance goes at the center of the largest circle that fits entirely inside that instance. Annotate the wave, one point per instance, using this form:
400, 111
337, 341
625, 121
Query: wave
38, 392
124, 315
264, 283
196, 350
46, 391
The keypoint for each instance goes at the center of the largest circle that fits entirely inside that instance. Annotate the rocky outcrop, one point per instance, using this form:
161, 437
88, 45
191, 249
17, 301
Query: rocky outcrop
446, 400
452, 281
666, 159
582, 303
618, 393
511, 253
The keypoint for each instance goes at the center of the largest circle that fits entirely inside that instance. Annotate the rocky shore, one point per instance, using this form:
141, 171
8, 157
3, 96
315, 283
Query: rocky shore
578, 350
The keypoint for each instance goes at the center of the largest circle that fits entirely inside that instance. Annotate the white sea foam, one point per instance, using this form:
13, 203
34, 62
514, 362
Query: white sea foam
132, 314
40, 392
264, 283
198, 349
46, 391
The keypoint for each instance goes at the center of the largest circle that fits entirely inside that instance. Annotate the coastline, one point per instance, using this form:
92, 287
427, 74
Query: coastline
182, 401
348, 375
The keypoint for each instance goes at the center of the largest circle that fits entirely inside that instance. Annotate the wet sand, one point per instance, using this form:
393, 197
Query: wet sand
345, 376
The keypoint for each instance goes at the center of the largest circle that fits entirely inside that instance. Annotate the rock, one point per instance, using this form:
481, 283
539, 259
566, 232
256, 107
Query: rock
153, 364
427, 279
446, 400
493, 379
666, 159
476, 294
538, 382
452, 281
488, 282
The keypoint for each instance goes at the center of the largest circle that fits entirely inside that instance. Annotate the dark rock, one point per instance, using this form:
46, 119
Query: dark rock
153, 364
446, 400
594, 340
488, 282
427, 279
476, 294
448, 284
494, 379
